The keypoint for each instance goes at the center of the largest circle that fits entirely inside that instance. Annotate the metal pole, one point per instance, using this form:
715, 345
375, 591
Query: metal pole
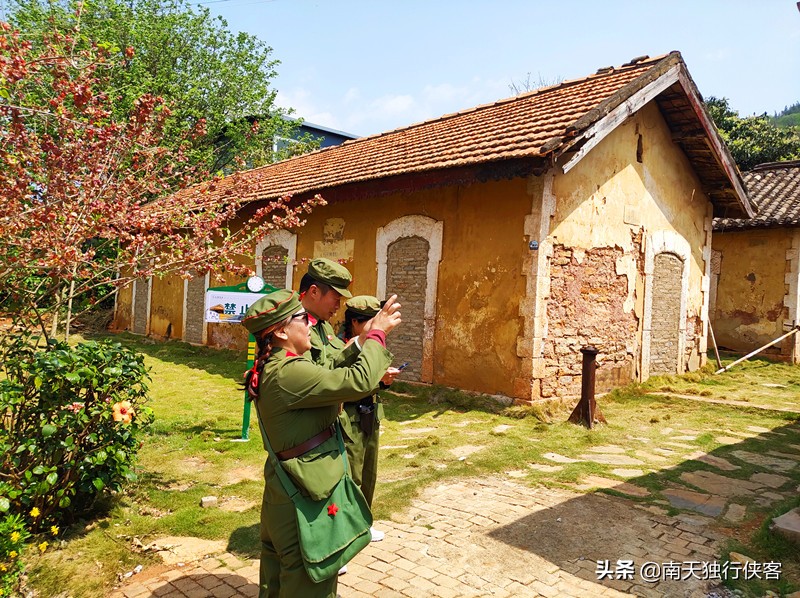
251, 357
586, 411
588, 368
749, 355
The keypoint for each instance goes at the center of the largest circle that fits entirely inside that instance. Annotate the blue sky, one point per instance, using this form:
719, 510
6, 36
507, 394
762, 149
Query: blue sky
370, 66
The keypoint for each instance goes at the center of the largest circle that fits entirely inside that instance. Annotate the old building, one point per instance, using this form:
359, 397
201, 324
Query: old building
515, 233
755, 273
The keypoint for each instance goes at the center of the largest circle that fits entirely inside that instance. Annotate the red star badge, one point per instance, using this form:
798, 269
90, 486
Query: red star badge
332, 508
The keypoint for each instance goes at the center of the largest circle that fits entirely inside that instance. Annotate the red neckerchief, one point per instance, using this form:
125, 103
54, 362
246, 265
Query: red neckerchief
312, 319
290, 354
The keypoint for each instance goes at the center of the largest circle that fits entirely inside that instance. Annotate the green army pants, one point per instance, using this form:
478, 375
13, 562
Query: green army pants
282, 574
362, 450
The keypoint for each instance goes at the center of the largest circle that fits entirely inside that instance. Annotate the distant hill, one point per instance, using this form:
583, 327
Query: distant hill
788, 117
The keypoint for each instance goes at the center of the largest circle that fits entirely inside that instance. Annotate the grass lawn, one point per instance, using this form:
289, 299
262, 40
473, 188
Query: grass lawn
430, 434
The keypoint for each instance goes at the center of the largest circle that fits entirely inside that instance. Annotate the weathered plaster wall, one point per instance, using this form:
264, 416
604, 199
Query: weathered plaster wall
122, 309
751, 289
587, 309
166, 308
635, 184
476, 316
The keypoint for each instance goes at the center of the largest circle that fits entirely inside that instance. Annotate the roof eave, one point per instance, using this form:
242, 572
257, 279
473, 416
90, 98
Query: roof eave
587, 131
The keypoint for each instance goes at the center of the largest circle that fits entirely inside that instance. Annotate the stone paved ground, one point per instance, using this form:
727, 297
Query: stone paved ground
501, 537
485, 537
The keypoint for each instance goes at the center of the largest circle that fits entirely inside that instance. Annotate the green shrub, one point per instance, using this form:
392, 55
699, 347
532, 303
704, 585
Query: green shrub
12, 542
71, 417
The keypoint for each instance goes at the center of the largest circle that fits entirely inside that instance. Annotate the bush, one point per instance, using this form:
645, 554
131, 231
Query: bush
12, 542
70, 426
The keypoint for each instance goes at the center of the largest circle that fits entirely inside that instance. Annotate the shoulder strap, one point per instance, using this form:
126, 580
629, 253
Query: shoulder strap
286, 482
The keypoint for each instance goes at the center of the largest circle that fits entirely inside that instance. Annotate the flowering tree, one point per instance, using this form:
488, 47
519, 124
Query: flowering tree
87, 194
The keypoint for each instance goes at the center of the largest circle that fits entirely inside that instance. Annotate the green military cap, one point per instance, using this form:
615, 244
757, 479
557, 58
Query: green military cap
333, 274
365, 305
271, 309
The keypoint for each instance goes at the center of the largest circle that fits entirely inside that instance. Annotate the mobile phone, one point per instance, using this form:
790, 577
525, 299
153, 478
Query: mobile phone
404, 366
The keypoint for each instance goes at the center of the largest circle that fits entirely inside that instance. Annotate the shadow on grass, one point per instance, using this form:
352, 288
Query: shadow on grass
682, 519
245, 542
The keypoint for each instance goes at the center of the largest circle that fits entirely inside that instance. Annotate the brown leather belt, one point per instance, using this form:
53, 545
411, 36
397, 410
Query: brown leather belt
306, 446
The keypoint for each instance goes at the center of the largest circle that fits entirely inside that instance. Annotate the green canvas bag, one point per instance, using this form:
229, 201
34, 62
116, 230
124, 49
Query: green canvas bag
331, 531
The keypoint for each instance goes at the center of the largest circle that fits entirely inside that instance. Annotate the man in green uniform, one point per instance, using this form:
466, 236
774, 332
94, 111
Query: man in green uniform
298, 401
321, 292
360, 419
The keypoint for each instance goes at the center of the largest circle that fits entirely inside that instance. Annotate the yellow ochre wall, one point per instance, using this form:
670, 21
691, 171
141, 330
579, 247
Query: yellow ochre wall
605, 201
610, 197
480, 282
122, 309
749, 310
166, 307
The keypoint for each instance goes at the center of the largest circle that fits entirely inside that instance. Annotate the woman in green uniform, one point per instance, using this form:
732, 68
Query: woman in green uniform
361, 419
298, 403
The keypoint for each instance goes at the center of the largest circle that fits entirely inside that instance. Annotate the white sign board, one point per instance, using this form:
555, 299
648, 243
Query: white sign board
228, 307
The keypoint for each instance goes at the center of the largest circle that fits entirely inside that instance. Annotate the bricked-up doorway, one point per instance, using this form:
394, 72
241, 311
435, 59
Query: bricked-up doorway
273, 265
666, 289
275, 257
194, 308
141, 306
408, 251
406, 268
665, 326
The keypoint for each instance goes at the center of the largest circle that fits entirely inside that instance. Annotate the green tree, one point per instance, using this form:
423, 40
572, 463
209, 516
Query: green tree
752, 140
209, 76
788, 117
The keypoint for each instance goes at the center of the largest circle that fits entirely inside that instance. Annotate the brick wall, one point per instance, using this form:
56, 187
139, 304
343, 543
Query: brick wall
140, 314
586, 308
195, 310
273, 265
665, 326
406, 276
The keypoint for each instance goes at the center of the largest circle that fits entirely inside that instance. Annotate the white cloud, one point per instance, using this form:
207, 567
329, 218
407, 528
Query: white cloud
394, 105
355, 112
352, 95
304, 107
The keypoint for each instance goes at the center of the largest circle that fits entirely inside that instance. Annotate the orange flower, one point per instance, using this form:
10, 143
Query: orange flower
123, 412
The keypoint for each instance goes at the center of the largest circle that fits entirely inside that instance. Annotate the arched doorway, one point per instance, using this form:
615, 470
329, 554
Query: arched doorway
406, 269
666, 290
408, 251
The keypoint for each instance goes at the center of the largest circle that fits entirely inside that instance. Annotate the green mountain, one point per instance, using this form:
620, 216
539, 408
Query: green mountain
788, 117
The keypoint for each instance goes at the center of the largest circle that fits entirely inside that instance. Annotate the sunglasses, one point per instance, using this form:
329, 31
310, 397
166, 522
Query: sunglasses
303, 316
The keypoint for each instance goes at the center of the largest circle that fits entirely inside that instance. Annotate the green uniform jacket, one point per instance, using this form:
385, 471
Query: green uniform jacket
329, 350
299, 399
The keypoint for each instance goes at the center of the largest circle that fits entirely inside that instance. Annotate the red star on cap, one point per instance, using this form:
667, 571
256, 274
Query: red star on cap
332, 508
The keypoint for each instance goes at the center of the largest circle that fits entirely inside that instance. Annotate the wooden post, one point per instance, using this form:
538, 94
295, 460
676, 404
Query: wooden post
714, 342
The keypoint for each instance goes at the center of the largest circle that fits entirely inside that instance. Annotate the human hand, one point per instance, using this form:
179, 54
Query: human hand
390, 375
387, 318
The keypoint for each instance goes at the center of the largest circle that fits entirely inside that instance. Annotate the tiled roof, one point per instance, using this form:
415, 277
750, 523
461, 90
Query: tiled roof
775, 189
536, 126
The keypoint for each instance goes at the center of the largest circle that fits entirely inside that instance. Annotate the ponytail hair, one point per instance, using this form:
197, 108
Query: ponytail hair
263, 353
